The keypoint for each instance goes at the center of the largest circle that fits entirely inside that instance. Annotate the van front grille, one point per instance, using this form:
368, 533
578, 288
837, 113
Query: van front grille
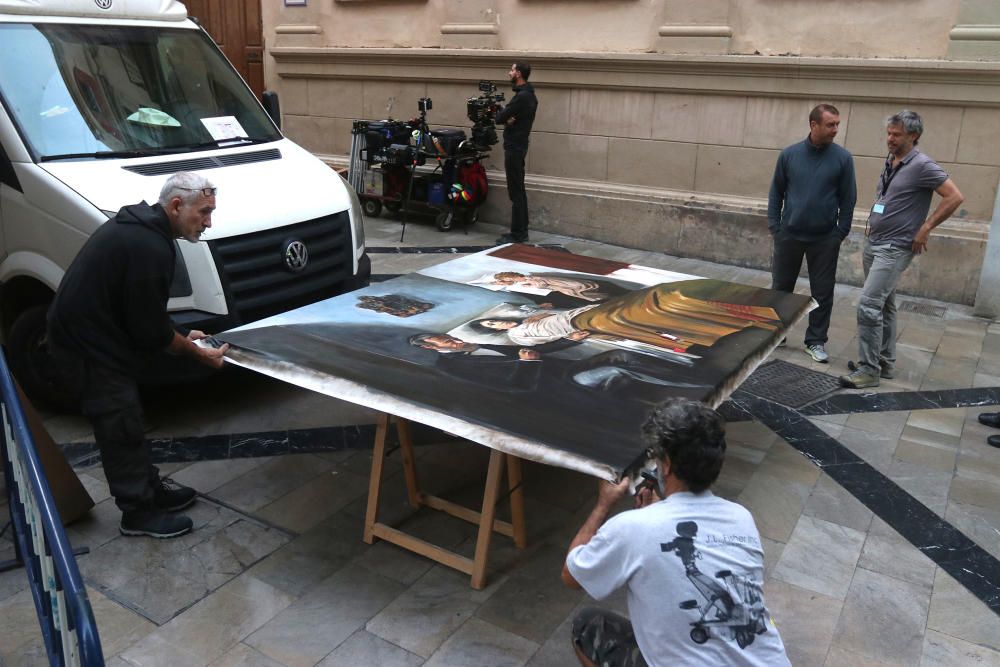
256, 279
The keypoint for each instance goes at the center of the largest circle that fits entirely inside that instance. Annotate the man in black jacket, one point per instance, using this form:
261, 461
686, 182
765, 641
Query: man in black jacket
517, 118
809, 212
109, 319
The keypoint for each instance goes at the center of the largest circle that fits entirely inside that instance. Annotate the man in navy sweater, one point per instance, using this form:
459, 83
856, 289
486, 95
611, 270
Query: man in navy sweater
809, 211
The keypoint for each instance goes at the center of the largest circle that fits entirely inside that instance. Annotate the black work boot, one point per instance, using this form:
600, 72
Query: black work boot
169, 496
154, 523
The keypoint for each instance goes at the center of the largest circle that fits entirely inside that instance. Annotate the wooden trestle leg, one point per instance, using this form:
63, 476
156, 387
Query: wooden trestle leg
485, 518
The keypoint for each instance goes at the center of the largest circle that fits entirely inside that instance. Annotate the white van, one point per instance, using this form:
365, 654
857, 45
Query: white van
100, 100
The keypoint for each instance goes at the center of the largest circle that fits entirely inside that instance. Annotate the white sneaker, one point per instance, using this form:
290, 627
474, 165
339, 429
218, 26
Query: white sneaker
818, 353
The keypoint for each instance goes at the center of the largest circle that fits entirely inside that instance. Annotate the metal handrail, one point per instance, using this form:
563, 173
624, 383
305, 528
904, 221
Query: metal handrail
64, 611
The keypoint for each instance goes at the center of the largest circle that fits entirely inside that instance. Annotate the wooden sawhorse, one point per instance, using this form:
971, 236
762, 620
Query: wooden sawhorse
485, 518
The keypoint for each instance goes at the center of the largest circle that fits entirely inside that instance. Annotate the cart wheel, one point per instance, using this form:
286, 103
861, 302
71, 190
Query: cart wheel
445, 220
393, 206
744, 638
699, 635
373, 207
472, 216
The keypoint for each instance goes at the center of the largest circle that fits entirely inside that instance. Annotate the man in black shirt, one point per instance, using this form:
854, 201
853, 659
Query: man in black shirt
517, 118
109, 319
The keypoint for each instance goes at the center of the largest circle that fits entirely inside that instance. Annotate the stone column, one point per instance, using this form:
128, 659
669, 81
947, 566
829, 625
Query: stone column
700, 28
977, 34
988, 294
470, 24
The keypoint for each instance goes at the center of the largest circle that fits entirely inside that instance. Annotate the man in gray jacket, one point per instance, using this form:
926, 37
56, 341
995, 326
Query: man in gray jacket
809, 212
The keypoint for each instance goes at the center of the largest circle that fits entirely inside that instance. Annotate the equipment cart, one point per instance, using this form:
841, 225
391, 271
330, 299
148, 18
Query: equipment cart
389, 168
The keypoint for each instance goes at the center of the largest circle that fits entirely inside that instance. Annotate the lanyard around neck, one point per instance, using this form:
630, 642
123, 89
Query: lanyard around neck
888, 174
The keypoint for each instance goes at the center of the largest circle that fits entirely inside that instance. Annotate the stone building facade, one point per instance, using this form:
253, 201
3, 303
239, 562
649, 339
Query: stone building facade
660, 120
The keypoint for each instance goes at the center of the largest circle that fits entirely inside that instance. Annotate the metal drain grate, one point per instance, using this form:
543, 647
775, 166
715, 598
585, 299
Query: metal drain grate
789, 384
928, 309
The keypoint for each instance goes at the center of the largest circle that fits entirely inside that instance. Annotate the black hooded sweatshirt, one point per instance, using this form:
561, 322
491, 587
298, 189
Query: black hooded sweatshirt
111, 306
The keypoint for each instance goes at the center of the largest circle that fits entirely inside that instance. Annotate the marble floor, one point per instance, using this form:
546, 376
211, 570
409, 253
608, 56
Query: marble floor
276, 573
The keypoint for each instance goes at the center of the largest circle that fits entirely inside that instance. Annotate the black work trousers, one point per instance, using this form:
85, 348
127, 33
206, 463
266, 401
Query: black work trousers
821, 260
513, 163
110, 400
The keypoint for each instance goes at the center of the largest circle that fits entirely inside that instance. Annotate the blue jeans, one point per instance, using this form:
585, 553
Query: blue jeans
884, 265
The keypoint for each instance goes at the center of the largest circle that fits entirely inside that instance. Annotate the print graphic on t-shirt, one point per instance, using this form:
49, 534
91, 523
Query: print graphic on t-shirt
734, 604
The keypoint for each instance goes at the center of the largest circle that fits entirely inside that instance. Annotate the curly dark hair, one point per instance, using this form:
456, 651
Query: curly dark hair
692, 435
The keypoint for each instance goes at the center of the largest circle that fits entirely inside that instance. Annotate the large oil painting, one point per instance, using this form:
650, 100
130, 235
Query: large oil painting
542, 353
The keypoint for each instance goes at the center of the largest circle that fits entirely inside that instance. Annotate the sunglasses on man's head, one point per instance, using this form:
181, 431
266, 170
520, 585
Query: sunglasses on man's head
208, 192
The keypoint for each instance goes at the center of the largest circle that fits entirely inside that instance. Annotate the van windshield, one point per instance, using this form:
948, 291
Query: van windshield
92, 91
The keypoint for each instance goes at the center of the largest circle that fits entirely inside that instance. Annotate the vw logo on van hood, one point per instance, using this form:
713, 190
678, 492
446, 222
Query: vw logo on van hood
103, 4
296, 255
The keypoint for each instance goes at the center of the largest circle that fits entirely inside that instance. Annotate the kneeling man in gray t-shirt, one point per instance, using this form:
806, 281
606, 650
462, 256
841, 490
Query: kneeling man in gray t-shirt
692, 563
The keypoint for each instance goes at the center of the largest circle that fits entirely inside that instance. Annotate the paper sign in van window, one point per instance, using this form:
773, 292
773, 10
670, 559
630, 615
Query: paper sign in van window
224, 127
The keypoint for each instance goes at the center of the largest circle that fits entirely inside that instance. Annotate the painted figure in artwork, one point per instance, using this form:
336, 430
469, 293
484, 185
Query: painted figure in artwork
660, 315
584, 289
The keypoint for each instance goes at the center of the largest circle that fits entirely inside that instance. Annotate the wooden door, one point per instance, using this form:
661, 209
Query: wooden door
236, 27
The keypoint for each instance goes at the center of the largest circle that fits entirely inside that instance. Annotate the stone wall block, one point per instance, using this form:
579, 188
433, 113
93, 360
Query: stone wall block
949, 271
735, 171
569, 155
553, 113
313, 133
658, 164
704, 119
396, 99
340, 129
336, 98
294, 96
611, 113
845, 29
977, 143
978, 184
724, 236
449, 104
779, 122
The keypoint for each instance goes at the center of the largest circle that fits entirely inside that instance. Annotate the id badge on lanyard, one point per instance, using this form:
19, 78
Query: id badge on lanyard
886, 179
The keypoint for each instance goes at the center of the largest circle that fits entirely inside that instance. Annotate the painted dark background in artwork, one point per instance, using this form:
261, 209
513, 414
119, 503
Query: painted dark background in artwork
588, 397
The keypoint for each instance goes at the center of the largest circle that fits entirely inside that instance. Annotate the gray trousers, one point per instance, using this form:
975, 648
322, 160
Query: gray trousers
884, 265
606, 638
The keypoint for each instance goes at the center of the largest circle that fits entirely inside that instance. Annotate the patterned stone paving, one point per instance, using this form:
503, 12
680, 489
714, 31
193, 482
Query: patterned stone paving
276, 573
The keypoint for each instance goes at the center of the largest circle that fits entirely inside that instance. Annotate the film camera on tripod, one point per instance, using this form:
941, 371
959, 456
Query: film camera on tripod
482, 111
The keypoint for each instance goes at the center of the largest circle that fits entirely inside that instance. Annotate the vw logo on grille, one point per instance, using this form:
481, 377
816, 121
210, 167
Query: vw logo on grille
103, 4
296, 255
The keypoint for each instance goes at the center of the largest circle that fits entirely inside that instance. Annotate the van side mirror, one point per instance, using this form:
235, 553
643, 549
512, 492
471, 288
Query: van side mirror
271, 105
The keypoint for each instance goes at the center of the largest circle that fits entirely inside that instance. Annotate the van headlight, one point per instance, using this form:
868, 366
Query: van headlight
357, 216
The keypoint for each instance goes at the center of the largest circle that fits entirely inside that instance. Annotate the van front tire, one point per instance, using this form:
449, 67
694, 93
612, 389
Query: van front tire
31, 363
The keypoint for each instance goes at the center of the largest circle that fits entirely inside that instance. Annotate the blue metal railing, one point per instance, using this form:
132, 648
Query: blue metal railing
64, 612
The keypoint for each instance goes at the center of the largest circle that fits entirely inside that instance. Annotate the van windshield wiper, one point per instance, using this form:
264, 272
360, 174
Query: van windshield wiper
216, 143
102, 155
164, 150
